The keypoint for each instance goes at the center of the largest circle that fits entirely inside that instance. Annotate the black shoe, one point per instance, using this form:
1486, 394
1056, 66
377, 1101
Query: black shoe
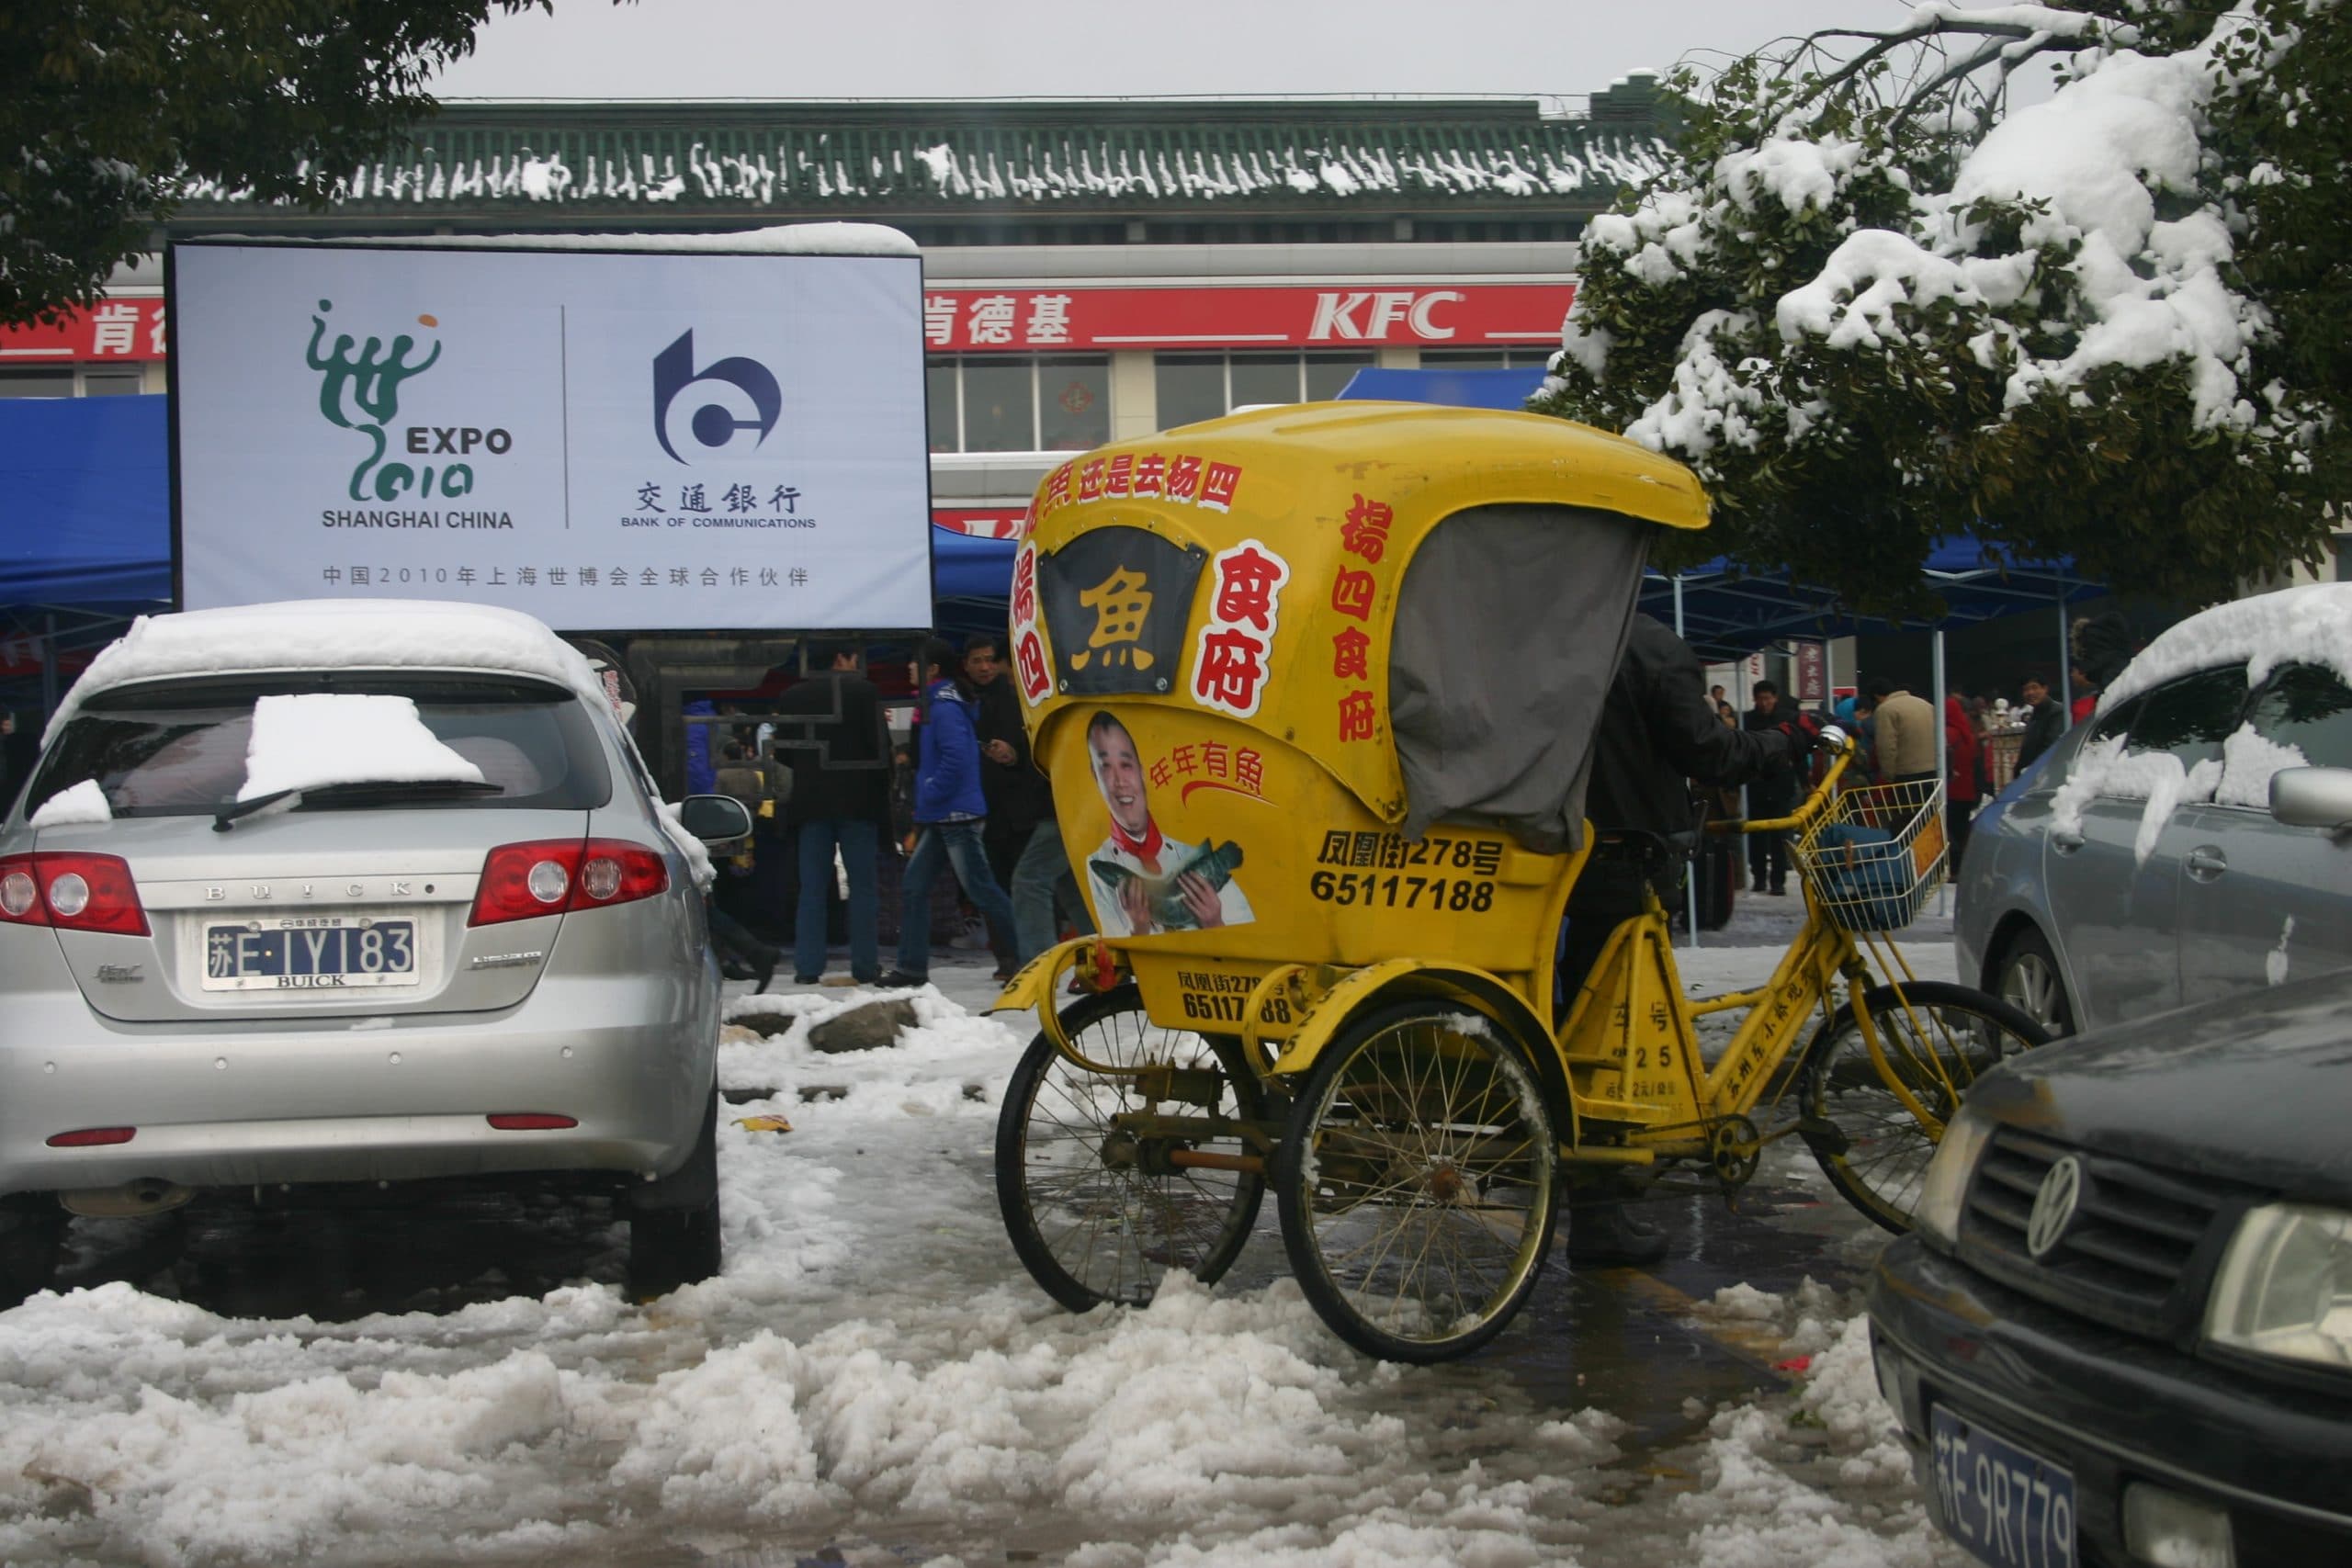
1607, 1235
733, 971
900, 980
766, 971
1757, 887
808, 979
1780, 890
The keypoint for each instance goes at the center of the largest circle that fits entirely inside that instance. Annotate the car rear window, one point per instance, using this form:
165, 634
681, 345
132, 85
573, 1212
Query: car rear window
178, 747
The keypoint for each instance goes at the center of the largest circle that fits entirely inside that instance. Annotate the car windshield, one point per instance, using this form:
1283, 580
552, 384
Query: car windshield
179, 747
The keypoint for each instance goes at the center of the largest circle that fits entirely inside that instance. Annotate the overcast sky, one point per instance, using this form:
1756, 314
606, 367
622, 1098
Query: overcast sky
922, 48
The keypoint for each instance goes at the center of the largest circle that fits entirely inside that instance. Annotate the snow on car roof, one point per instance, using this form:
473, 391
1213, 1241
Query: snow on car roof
2311, 624
335, 634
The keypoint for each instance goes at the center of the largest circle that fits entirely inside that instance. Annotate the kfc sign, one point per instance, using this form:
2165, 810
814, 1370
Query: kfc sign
1031, 320
132, 330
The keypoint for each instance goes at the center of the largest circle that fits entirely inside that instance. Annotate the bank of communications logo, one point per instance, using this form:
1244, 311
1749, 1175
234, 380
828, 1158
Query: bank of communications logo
734, 396
360, 389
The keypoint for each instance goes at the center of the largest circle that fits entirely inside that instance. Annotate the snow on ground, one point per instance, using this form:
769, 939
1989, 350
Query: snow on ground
875, 1373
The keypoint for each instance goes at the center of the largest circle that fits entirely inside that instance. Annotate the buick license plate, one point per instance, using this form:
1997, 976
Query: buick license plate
2010, 1507
327, 953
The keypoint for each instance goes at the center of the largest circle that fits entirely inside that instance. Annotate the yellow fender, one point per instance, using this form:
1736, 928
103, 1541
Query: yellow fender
1479, 992
1035, 989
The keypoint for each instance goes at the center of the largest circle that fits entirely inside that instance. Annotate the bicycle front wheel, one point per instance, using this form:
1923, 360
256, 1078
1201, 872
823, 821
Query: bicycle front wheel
1937, 1039
1091, 1201
1418, 1183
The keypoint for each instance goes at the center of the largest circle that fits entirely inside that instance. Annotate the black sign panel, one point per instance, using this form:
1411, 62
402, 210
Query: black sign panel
1116, 601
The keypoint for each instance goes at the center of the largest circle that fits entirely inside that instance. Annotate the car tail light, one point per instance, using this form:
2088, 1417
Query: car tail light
92, 1137
549, 877
530, 1121
72, 891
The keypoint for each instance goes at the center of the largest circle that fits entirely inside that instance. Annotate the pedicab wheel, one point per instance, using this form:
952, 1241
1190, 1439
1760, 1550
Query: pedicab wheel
1937, 1039
1418, 1183
1093, 1206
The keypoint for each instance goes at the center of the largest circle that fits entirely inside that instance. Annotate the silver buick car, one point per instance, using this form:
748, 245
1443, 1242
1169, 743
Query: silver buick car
2192, 840
309, 898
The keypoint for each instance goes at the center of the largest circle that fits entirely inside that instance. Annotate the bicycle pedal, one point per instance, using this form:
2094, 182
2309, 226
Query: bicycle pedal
1824, 1134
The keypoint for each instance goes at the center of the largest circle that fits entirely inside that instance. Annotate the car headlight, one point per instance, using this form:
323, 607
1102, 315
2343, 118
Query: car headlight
2285, 1286
1937, 1213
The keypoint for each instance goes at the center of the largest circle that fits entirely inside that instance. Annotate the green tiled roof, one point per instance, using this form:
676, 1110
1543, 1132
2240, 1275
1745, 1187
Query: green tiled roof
689, 160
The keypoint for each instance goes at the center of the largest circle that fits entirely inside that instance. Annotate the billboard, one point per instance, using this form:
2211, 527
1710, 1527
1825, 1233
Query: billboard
599, 437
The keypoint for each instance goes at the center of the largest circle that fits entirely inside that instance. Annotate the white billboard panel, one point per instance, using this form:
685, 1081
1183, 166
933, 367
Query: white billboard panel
601, 438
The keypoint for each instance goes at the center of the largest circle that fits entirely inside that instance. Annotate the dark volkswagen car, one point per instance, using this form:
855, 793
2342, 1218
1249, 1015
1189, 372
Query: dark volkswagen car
2122, 1331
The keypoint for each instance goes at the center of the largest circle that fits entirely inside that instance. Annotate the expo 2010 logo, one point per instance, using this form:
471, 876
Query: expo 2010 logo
359, 389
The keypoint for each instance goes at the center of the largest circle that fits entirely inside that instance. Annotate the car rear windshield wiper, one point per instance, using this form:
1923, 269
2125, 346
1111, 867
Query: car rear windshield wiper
430, 789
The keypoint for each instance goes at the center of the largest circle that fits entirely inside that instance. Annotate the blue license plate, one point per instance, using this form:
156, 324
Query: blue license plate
322, 953
2011, 1508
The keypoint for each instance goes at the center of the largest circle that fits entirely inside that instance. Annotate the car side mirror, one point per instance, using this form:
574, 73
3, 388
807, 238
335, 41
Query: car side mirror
713, 819
2313, 798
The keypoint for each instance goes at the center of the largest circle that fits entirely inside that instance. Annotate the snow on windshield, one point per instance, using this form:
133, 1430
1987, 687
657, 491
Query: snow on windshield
84, 803
332, 737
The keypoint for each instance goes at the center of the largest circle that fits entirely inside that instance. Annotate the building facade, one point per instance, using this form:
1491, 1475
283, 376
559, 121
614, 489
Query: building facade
1094, 270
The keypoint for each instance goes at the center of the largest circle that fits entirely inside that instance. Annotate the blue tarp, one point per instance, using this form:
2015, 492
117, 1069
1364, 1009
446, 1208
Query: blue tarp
87, 520
1453, 389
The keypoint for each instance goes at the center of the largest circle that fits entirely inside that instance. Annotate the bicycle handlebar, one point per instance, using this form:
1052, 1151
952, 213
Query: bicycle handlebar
1807, 809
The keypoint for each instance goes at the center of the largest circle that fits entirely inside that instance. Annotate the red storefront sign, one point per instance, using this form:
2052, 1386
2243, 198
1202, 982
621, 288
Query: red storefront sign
991, 522
128, 330
1033, 320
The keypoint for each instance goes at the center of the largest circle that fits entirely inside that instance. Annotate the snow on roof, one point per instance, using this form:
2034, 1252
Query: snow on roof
779, 240
2311, 624
335, 634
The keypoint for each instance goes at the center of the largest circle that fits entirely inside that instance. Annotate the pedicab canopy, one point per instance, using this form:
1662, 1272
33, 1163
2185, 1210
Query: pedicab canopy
1425, 604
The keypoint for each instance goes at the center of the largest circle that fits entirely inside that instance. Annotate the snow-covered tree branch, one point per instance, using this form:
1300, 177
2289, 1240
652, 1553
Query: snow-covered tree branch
1872, 309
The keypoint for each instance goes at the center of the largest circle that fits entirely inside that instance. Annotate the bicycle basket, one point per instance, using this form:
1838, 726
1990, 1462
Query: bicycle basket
1873, 856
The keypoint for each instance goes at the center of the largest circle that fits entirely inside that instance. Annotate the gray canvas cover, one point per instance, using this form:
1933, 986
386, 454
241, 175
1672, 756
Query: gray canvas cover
1508, 628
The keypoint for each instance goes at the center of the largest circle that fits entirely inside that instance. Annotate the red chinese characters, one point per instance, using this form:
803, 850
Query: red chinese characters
1180, 478
1229, 660
1211, 765
1363, 534
1365, 530
1028, 649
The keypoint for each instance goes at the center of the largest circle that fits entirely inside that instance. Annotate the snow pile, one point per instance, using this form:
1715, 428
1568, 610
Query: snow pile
331, 738
84, 804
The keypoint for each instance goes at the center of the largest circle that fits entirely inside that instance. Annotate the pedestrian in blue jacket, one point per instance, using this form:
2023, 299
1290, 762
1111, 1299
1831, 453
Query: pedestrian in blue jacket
949, 811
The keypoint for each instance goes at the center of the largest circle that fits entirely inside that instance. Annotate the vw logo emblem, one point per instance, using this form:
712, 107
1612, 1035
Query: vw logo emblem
2053, 1207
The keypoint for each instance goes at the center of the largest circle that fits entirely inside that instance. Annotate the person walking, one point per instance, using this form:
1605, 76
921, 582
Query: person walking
1963, 759
1771, 794
2045, 721
1018, 796
839, 805
950, 812
1905, 728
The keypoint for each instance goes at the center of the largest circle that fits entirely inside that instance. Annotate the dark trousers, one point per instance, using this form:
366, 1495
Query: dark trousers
735, 943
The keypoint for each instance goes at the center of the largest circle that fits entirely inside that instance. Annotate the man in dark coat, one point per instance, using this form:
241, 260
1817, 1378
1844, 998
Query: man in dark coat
2045, 721
1772, 794
840, 801
1658, 731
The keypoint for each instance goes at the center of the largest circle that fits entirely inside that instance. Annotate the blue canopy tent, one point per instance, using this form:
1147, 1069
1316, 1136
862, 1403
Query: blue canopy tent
86, 535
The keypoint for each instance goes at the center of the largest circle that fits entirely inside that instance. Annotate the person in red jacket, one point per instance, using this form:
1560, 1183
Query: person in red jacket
1963, 762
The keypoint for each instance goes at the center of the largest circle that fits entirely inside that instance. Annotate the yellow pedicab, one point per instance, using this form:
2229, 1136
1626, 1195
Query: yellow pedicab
1316, 687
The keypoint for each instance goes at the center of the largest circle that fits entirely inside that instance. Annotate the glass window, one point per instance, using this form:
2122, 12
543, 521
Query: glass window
939, 387
31, 382
112, 381
2310, 708
1191, 388
1264, 379
999, 405
1464, 359
179, 748
1073, 402
2191, 716
1326, 372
